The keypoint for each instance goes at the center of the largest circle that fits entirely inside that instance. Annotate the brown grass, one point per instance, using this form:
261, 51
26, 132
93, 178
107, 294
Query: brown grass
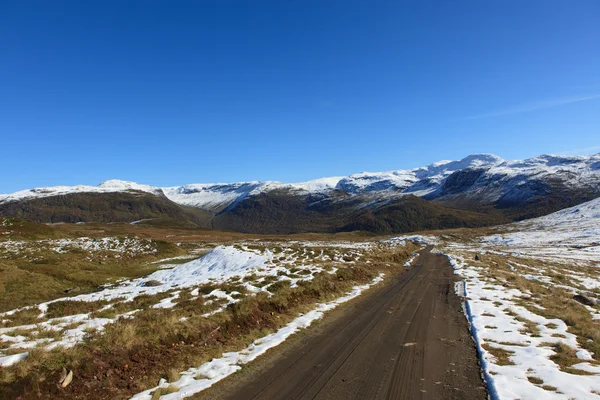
156, 395
530, 328
534, 380
70, 307
138, 303
502, 356
158, 343
556, 302
26, 316
549, 388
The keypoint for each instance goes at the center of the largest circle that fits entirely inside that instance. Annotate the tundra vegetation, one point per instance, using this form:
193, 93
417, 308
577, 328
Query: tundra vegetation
116, 346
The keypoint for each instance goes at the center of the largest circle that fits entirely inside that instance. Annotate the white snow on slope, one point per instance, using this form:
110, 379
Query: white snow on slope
97, 247
218, 265
7, 361
213, 197
586, 213
497, 179
111, 186
318, 185
573, 232
559, 252
418, 181
221, 264
216, 197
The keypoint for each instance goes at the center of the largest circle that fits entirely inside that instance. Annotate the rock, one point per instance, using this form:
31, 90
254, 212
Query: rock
585, 300
152, 283
68, 379
65, 378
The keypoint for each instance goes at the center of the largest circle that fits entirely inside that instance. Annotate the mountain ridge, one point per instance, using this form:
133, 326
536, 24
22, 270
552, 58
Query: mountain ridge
499, 190
363, 181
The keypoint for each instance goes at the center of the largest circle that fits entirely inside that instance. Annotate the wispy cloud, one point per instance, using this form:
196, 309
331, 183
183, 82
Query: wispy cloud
537, 105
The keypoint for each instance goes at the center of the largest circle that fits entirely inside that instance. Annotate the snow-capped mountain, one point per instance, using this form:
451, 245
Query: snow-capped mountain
514, 189
486, 178
216, 197
419, 181
110, 186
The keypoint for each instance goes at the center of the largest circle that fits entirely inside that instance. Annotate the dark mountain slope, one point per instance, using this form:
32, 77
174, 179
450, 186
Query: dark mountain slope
277, 212
411, 213
103, 207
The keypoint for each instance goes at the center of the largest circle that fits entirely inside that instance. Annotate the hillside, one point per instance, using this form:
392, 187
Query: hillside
478, 190
574, 231
128, 206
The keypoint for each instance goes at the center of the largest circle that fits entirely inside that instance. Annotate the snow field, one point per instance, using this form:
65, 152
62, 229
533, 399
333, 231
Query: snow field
108, 246
572, 233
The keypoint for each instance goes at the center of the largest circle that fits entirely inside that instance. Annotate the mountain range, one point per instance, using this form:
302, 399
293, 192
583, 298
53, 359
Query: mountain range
479, 190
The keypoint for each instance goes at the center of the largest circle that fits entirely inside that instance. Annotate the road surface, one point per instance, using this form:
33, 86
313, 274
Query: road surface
407, 339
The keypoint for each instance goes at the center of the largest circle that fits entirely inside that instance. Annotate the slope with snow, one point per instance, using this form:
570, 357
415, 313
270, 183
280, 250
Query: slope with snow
518, 181
110, 186
418, 181
484, 178
197, 379
211, 197
217, 197
573, 232
255, 269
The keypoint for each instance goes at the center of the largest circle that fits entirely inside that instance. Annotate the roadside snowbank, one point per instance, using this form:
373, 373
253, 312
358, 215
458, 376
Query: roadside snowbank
500, 324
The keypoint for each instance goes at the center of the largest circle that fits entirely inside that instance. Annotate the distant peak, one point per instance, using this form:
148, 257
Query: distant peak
117, 182
118, 185
441, 162
484, 157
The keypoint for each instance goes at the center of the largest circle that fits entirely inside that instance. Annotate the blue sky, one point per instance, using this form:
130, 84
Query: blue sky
169, 93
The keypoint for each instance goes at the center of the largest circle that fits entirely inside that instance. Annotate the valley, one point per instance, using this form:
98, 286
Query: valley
479, 190
162, 307
300, 200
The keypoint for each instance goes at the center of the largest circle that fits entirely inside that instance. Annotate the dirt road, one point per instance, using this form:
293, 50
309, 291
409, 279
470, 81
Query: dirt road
405, 340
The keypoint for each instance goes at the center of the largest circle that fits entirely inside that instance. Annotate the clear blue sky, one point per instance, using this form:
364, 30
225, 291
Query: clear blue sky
175, 92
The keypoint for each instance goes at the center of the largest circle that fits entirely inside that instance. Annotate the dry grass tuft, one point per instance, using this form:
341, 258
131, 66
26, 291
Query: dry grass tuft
69, 307
502, 356
157, 394
534, 380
